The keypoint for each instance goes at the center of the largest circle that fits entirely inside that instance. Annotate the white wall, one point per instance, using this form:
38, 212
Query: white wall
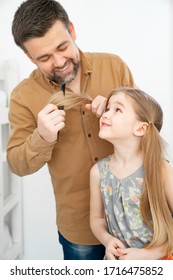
138, 31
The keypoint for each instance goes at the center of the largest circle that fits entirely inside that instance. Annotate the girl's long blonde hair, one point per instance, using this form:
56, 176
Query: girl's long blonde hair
69, 100
154, 207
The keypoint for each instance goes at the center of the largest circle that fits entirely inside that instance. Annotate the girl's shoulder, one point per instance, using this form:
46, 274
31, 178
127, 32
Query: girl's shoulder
167, 168
167, 173
168, 182
99, 168
103, 164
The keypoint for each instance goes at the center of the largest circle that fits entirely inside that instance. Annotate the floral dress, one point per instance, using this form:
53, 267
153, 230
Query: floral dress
122, 206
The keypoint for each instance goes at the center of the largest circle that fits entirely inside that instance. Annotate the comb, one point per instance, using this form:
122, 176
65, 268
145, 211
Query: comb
61, 107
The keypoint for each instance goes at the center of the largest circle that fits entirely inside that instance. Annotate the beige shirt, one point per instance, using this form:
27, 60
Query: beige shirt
79, 147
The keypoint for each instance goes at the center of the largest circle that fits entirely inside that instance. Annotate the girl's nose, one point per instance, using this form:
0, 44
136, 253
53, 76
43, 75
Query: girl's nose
107, 114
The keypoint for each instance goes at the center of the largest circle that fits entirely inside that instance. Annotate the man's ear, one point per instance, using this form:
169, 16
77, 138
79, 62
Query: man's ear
72, 31
140, 128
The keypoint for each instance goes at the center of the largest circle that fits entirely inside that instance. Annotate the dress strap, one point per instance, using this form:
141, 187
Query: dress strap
103, 166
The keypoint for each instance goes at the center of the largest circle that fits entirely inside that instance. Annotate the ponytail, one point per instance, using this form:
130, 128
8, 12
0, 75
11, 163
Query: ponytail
153, 199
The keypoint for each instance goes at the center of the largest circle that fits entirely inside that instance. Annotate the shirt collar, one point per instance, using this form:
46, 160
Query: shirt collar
85, 62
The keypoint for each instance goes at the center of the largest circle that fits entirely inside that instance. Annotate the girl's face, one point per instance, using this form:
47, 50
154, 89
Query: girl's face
120, 120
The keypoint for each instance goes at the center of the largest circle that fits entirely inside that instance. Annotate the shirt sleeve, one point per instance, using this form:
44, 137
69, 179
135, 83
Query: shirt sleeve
27, 152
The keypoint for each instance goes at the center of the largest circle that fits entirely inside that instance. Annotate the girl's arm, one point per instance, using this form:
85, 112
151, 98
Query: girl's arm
168, 183
97, 217
154, 253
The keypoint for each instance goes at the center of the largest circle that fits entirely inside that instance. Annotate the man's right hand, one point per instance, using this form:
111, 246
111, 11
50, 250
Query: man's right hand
50, 121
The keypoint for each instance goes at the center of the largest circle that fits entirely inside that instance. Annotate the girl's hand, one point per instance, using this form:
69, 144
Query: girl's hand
141, 254
111, 248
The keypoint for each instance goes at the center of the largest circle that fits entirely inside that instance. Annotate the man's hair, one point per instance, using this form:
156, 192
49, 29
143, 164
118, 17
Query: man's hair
34, 18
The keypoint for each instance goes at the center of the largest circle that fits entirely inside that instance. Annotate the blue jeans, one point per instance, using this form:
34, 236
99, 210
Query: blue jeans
74, 251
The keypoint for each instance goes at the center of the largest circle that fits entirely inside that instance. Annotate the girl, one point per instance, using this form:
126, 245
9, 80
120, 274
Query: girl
131, 202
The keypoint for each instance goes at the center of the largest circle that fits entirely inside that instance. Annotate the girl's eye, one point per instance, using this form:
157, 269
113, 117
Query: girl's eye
118, 110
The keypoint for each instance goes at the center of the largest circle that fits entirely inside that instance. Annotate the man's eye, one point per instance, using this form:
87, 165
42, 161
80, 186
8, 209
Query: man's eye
62, 49
44, 59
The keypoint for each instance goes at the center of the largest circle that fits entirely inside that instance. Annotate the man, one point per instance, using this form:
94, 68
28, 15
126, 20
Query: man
43, 31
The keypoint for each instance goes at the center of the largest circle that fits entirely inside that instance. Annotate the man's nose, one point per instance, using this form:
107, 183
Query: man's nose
58, 61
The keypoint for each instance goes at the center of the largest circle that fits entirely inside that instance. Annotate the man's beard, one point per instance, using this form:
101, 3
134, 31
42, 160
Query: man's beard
67, 78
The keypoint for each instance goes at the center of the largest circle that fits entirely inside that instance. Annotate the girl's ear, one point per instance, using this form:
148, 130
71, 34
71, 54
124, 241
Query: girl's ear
140, 128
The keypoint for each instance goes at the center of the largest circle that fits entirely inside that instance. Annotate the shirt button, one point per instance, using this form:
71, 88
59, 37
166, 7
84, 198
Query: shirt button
89, 134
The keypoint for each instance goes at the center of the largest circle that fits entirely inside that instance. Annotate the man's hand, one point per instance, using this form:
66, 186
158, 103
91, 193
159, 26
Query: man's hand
98, 105
50, 121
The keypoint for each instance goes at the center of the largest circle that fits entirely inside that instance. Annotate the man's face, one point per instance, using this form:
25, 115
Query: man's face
55, 54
